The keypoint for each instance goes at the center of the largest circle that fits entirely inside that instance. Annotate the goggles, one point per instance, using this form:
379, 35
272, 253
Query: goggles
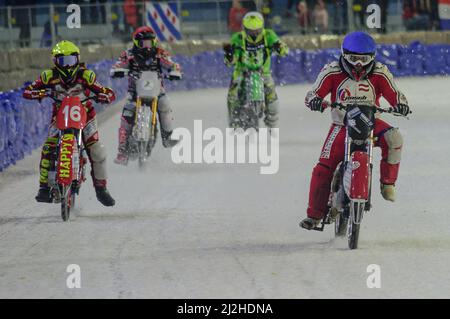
146, 44
361, 59
66, 61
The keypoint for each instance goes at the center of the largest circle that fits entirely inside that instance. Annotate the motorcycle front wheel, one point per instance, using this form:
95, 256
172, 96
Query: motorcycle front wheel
66, 202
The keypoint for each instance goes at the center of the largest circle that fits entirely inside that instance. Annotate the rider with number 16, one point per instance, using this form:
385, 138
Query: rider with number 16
70, 77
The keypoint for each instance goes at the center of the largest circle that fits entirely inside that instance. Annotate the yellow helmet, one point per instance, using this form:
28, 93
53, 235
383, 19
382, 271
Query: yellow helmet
253, 23
66, 57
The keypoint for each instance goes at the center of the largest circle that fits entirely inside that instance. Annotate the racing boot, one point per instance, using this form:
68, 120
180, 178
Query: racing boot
388, 192
167, 141
103, 196
121, 159
43, 195
309, 223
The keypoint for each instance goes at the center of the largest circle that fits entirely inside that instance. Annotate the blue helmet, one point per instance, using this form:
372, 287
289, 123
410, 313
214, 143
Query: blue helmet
359, 43
358, 53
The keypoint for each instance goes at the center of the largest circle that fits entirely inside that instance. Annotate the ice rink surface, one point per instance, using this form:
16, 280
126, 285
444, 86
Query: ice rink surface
225, 231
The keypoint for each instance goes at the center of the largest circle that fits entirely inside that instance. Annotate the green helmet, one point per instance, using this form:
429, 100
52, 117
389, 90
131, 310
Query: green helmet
66, 57
253, 23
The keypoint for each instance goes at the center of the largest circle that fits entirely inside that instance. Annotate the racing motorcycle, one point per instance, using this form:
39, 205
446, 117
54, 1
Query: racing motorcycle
69, 169
144, 133
351, 186
251, 94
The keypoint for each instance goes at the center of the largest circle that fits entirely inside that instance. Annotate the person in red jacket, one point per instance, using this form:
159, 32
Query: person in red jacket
235, 16
69, 77
355, 77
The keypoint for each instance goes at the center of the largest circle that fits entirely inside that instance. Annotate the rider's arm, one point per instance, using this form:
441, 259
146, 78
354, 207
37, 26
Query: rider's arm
168, 64
37, 89
275, 43
104, 94
120, 68
233, 50
323, 85
387, 87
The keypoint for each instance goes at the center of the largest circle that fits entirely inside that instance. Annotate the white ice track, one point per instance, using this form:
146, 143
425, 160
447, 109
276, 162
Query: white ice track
225, 231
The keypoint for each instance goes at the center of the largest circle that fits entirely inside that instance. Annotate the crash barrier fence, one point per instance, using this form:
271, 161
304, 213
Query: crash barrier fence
20, 65
24, 124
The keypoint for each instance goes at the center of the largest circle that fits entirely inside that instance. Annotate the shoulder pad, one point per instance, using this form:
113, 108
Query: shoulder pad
383, 69
332, 66
236, 39
89, 76
46, 75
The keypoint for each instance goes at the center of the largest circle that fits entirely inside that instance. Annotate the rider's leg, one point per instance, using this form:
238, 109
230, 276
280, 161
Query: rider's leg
46, 164
271, 111
97, 156
166, 120
390, 141
233, 99
332, 153
126, 125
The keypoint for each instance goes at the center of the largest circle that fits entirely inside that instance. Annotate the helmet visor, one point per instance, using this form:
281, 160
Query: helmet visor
358, 59
147, 43
67, 61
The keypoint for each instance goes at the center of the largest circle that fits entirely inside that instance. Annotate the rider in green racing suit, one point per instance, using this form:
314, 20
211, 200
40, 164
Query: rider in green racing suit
253, 42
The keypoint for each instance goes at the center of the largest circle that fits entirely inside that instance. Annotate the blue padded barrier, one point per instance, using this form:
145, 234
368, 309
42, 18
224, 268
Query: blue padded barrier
24, 123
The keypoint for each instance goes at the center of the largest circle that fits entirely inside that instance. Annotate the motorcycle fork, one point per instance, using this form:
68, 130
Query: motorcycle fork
358, 207
154, 111
138, 108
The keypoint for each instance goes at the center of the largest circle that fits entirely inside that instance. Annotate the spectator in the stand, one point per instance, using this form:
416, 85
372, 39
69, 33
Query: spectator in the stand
435, 21
22, 17
94, 9
131, 19
290, 4
46, 39
359, 9
303, 16
267, 7
338, 10
320, 17
235, 15
417, 14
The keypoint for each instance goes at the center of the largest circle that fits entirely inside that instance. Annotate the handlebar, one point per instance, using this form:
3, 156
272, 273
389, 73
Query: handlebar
48, 93
342, 107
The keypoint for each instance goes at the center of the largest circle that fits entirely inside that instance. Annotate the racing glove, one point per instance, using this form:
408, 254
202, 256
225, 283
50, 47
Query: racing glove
228, 52
316, 104
281, 48
402, 109
175, 75
107, 96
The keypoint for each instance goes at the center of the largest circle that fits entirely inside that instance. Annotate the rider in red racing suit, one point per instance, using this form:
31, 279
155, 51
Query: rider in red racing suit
69, 77
355, 78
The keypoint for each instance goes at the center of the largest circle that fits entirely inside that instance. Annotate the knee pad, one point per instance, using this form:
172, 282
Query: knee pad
97, 156
90, 132
394, 141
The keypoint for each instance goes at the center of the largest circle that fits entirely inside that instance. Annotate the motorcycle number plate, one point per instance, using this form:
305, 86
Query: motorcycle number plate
71, 114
